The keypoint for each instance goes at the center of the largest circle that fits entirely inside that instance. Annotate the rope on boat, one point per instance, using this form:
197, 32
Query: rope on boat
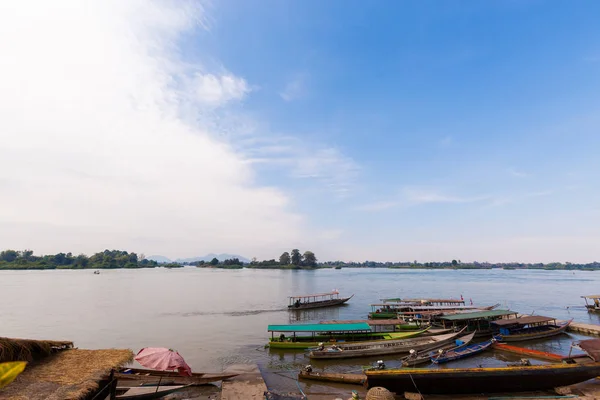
415, 385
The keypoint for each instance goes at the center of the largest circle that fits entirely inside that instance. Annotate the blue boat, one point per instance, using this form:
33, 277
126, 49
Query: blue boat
463, 352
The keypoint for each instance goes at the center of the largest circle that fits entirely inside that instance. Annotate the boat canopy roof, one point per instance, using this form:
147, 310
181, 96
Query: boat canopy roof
592, 296
478, 315
525, 320
456, 307
591, 347
320, 327
371, 322
334, 293
399, 300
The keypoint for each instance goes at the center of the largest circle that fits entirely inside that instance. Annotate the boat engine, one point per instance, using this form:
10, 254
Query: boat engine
380, 364
308, 368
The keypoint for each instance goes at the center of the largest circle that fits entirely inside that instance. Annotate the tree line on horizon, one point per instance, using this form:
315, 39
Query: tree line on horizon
112, 259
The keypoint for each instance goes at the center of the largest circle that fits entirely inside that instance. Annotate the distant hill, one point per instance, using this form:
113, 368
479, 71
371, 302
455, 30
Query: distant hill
159, 259
208, 257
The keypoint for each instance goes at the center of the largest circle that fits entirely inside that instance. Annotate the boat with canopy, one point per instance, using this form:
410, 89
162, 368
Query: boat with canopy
595, 302
316, 300
529, 327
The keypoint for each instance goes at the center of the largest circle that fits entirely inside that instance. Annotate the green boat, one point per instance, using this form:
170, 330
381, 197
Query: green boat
304, 336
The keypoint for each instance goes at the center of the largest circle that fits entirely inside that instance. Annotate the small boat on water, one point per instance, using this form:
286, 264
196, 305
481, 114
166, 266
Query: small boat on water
146, 392
306, 336
529, 327
595, 305
384, 347
316, 301
445, 356
351, 379
136, 376
424, 356
482, 380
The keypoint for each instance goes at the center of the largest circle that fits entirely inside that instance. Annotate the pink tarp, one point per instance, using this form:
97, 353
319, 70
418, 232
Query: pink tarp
162, 359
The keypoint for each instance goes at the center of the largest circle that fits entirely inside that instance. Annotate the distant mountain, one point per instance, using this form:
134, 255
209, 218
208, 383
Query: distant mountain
208, 257
159, 259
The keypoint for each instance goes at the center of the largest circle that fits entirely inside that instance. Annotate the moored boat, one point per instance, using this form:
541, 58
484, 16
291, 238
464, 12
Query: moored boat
306, 336
352, 379
137, 376
482, 380
595, 306
316, 301
529, 327
146, 392
385, 347
542, 355
424, 356
445, 356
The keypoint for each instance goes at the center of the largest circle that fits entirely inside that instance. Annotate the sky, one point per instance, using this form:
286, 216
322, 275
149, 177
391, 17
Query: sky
386, 131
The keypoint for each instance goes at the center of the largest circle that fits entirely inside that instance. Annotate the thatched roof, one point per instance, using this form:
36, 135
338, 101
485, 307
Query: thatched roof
29, 350
67, 375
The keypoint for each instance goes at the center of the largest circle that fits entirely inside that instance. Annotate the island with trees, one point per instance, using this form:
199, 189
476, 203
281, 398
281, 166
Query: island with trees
112, 259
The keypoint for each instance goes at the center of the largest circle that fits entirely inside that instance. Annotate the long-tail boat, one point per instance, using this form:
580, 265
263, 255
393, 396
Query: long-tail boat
136, 376
424, 356
316, 301
146, 392
482, 380
385, 347
306, 336
529, 327
351, 379
542, 355
595, 306
445, 356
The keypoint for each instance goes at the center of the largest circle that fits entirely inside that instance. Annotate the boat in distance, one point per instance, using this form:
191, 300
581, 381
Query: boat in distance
595, 305
529, 327
383, 347
321, 300
462, 352
482, 380
306, 336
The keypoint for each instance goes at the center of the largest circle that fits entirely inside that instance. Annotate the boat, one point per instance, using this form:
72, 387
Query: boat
306, 336
424, 356
542, 355
529, 327
146, 392
384, 347
317, 301
476, 321
482, 380
97, 272
390, 308
351, 379
136, 376
445, 356
595, 306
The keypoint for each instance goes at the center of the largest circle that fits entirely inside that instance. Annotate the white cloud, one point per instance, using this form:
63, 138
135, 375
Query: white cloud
378, 206
217, 90
294, 89
94, 151
427, 195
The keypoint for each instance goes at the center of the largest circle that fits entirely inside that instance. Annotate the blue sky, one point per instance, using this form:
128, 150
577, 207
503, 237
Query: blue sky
388, 130
462, 119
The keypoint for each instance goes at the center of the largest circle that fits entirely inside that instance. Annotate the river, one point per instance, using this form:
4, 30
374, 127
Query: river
216, 317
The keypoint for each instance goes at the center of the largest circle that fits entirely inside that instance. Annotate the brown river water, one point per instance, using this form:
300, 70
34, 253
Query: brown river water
216, 318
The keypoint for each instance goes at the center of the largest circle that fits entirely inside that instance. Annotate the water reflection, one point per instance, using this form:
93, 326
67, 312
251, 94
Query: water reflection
315, 315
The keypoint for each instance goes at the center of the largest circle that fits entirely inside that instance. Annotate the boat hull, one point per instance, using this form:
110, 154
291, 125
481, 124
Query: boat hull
319, 304
351, 379
376, 336
136, 377
482, 380
519, 337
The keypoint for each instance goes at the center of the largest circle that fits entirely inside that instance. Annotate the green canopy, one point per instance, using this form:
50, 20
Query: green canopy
477, 315
320, 327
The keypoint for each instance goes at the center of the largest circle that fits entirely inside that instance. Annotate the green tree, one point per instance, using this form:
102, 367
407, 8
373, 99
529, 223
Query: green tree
454, 263
296, 257
285, 259
214, 261
310, 260
9, 255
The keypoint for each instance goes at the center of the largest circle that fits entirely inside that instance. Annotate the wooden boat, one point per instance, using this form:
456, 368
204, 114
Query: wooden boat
424, 356
462, 352
595, 306
136, 376
306, 336
542, 355
482, 380
352, 379
146, 392
529, 327
384, 347
316, 301
476, 321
